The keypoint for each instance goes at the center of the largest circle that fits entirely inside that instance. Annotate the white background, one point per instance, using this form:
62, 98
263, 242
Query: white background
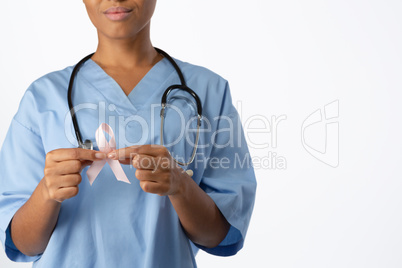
287, 57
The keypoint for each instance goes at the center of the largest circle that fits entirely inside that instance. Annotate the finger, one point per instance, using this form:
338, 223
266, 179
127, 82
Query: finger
125, 161
124, 154
68, 167
65, 193
70, 180
60, 155
130, 152
147, 175
141, 161
152, 187
85, 163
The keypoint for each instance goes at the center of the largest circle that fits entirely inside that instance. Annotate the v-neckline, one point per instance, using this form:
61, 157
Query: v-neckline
139, 95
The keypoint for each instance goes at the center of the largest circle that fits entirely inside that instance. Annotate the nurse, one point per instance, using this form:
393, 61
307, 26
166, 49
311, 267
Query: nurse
49, 212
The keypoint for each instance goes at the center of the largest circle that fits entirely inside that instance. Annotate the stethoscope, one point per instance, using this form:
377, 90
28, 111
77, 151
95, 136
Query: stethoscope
87, 144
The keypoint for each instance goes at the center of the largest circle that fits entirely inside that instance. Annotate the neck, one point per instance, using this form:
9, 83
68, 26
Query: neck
128, 53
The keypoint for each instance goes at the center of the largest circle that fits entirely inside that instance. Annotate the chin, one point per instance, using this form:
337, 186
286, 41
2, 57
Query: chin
118, 34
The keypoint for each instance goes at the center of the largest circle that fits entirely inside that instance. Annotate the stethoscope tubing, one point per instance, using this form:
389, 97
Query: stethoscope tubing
88, 144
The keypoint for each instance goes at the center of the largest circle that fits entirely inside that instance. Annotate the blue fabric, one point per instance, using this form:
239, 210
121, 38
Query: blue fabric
111, 223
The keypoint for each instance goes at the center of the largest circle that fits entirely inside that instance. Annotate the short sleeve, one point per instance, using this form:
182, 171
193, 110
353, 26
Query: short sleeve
229, 178
21, 168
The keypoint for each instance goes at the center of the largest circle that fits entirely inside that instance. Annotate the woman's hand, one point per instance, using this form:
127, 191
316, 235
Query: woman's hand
156, 170
62, 171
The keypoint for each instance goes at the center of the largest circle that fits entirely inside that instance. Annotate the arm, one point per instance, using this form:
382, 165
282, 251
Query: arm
33, 224
198, 214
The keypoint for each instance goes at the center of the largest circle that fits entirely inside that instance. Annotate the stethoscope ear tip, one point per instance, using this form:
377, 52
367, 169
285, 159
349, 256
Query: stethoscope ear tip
190, 172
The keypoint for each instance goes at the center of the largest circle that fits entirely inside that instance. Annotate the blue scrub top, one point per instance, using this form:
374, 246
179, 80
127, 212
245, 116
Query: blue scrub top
112, 223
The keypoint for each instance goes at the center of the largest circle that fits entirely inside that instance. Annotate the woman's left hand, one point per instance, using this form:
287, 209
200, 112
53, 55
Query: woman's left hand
156, 170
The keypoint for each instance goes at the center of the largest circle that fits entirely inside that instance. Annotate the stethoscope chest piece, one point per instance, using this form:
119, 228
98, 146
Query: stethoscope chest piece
87, 145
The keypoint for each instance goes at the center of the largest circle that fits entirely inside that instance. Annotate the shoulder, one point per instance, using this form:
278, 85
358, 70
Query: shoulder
52, 81
201, 75
46, 89
41, 96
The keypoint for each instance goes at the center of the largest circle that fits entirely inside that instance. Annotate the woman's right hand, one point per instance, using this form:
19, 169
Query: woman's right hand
62, 171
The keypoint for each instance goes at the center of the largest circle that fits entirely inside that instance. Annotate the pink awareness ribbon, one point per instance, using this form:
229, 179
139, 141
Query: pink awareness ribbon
106, 147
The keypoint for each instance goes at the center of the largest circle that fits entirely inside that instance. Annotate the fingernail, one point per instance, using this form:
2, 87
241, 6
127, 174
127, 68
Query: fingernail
111, 155
100, 155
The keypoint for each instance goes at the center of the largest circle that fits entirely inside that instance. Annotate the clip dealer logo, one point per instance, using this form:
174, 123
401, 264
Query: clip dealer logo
320, 134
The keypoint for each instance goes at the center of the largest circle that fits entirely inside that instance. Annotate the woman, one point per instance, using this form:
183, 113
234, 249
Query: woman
52, 215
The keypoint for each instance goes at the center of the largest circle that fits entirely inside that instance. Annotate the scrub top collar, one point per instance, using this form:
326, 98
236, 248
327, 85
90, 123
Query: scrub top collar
154, 82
